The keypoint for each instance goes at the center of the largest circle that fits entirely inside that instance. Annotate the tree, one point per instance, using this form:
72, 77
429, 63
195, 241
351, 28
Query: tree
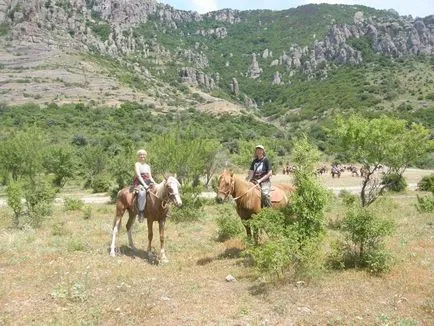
93, 164
384, 143
60, 161
185, 154
21, 154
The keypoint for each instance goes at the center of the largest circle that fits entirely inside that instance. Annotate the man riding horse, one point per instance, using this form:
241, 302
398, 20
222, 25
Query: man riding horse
260, 173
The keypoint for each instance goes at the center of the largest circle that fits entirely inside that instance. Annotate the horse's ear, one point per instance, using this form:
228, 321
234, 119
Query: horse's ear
232, 173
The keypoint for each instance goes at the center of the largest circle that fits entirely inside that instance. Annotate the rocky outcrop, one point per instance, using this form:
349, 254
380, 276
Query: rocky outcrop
194, 77
394, 37
277, 79
219, 32
225, 15
249, 103
234, 87
254, 69
133, 12
198, 59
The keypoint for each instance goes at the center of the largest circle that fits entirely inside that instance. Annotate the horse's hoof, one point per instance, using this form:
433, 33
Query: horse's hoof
164, 260
112, 254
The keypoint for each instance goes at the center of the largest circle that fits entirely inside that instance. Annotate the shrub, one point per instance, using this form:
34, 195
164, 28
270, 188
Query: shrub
378, 261
348, 198
341, 256
228, 224
39, 197
394, 182
59, 229
185, 214
192, 206
364, 246
87, 212
101, 183
14, 193
427, 183
71, 204
425, 204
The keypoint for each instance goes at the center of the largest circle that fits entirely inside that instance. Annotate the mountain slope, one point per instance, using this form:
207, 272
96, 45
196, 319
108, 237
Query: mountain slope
292, 66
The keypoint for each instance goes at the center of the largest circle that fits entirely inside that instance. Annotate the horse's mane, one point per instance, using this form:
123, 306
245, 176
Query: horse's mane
242, 181
248, 197
160, 189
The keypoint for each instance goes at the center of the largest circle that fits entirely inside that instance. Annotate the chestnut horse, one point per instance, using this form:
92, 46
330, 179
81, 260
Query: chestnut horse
247, 195
157, 206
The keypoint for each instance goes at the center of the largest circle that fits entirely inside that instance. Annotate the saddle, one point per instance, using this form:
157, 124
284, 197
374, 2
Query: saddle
135, 190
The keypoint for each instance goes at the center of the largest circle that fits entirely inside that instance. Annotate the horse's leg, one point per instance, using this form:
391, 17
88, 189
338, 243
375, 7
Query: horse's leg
131, 218
150, 233
161, 225
116, 223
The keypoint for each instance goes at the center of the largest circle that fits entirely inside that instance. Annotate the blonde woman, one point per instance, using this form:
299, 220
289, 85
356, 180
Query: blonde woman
142, 181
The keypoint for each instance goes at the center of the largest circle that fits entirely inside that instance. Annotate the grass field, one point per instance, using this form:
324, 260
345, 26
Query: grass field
62, 274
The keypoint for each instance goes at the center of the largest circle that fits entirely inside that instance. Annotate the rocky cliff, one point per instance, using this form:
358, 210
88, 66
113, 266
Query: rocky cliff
114, 28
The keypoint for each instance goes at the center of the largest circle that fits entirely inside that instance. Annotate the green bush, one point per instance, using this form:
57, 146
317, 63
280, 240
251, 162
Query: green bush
341, 255
87, 212
425, 204
101, 183
71, 204
364, 246
185, 214
60, 230
427, 183
192, 206
14, 193
394, 182
229, 225
347, 197
378, 261
39, 197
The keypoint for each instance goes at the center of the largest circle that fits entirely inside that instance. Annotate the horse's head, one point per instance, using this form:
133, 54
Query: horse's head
226, 186
172, 185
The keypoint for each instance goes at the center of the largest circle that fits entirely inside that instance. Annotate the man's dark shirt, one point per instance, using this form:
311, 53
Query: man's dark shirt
260, 167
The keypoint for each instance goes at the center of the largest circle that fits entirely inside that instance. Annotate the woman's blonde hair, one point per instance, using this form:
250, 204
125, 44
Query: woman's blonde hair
141, 151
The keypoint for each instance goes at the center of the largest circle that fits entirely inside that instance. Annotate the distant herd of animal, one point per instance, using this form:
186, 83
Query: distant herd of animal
335, 170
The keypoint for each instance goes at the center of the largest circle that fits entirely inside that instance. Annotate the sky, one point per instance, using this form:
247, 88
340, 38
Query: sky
416, 8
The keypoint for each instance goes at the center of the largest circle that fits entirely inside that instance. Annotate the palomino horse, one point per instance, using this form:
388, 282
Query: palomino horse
247, 195
157, 206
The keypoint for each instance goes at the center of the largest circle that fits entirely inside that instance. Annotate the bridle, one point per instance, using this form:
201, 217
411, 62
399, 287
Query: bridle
231, 190
171, 194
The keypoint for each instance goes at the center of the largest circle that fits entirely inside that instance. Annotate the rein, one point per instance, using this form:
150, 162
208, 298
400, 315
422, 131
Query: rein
236, 198
164, 201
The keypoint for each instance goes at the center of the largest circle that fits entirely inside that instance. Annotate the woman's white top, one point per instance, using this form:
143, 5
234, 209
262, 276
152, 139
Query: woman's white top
142, 168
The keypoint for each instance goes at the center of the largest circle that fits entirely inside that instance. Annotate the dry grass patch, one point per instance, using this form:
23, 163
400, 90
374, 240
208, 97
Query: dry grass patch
62, 274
